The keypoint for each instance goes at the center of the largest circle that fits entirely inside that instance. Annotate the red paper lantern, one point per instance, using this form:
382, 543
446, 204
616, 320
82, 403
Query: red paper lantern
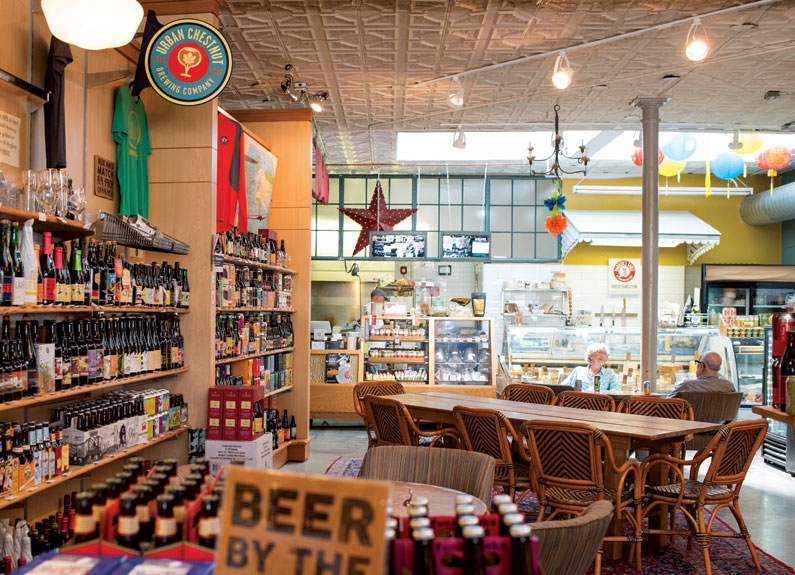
637, 156
773, 159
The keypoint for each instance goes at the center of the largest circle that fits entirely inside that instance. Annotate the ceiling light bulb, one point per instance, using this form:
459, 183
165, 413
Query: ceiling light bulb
455, 99
317, 106
460, 139
697, 46
561, 76
93, 24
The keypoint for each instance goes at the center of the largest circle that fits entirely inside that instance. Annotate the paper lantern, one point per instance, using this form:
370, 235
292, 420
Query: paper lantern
669, 167
773, 159
637, 157
751, 143
727, 165
680, 147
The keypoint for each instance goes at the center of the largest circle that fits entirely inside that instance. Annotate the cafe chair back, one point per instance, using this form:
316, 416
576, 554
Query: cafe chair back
583, 400
666, 407
730, 454
489, 431
393, 424
528, 393
571, 545
360, 390
712, 407
570, 461
558, 388
466, 471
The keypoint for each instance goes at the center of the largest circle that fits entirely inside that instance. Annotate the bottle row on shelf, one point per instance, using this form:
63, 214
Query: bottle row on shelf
271, 372
240, 334
64, 355
241, 286
397, 331
401, 375
122, 419
32, 453
396, 354
258, 247
83, 272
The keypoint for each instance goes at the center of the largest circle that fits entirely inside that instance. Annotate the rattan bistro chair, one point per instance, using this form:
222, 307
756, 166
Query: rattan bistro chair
393, 424
489, 431
360, 390
712, 407
569, 463
528, 393
570, 545
731, 452
666, 407
466, 471
583, 400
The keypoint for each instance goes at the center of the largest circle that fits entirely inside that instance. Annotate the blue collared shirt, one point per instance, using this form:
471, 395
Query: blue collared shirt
608, 380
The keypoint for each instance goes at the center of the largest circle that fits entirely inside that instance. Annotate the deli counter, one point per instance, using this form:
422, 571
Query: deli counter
548, 354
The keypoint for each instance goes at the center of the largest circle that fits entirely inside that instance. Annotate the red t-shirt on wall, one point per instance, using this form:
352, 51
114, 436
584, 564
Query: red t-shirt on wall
231, 191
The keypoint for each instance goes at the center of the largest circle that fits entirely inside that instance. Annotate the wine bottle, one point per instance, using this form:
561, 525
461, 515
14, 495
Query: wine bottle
18, 290
77, 280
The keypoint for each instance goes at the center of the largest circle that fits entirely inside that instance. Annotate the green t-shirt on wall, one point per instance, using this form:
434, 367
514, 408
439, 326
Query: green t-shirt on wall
131, 133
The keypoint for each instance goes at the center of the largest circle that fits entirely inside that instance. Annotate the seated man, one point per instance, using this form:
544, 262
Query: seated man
707, 377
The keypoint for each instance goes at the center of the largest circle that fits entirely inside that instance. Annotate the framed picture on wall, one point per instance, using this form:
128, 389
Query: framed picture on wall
260, 166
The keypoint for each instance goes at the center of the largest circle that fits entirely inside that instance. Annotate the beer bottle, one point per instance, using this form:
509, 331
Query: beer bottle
143, 494
128, 528
209, 524
474, 555
85, 523
178, 493
521, 555
100, 496
498, 500
165, 523
509, 520
462, 522
597, 383
423, 552
389, 552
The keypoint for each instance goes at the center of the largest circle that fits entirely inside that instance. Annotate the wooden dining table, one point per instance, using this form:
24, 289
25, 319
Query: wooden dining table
441, 500
625, 431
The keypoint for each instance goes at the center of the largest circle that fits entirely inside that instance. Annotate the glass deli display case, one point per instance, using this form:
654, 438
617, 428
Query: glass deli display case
548, 354
462, 351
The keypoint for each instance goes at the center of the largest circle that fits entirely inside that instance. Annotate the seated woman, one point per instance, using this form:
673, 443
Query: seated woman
581, 379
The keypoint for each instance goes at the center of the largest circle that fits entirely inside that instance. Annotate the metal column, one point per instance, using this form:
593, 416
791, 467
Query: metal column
649, 252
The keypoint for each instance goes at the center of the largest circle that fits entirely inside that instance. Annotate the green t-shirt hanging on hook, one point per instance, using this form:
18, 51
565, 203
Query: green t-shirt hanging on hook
131, 133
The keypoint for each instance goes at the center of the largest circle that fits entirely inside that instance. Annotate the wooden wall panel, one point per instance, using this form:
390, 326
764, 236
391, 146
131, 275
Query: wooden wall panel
291, 142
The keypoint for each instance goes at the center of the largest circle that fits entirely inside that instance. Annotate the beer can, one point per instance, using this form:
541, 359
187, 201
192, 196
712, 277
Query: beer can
646, 388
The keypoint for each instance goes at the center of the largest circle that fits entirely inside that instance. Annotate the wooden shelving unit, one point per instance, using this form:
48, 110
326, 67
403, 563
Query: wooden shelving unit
45, 398
59, 227
78, 470
253, 355
88, 309
267, 267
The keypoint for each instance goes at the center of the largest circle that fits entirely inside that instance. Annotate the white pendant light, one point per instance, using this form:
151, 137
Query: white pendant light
455, 99
93, 24
561, 76
460, 139
697, 45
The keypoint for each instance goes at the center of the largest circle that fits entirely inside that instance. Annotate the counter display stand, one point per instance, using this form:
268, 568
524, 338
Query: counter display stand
452, 355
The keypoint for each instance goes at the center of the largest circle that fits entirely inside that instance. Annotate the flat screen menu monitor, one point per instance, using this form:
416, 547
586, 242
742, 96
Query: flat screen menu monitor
466, 246
398, 246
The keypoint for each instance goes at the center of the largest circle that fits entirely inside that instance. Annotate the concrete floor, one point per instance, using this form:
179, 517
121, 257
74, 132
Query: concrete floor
767, 499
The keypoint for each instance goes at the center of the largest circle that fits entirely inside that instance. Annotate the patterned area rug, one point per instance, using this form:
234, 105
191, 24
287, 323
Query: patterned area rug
729, 556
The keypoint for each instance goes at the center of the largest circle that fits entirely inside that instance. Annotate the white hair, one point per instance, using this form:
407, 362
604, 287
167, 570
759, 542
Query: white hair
594, 348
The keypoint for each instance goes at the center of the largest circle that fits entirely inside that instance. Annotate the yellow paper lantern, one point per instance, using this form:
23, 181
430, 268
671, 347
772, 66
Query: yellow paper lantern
671, 167
751, 143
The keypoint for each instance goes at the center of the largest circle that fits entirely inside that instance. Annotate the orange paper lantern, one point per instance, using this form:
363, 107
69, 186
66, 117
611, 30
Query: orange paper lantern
773, 159
637, 157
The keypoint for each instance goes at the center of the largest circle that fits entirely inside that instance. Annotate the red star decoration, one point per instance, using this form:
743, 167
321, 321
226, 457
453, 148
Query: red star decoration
375, 218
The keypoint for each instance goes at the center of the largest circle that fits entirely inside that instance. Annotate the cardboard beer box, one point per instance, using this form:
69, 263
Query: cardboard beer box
158, 566
54, 563
257, 454
181, 551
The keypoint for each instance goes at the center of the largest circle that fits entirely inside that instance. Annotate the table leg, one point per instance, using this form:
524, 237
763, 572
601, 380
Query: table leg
613, 549
658, 475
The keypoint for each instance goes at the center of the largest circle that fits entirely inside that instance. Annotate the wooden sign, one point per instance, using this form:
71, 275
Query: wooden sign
104, 177
279, 522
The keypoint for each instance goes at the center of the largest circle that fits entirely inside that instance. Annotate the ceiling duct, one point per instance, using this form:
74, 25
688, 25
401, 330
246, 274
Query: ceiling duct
764, 208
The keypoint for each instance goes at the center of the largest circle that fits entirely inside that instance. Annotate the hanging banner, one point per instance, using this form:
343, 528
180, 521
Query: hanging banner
623, 275
188, 62
279, 522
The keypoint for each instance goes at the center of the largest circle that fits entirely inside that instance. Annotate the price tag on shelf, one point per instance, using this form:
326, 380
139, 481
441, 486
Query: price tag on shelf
42, 217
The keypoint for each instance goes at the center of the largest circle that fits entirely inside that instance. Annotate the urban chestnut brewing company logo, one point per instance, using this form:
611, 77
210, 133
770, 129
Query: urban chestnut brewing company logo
188, 62
624, 271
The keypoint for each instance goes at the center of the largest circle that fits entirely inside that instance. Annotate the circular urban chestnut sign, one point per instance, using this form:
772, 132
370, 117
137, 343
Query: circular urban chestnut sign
624, 271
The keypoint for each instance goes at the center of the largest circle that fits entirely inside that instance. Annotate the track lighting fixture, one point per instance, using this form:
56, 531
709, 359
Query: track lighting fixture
316, 101
455, 99
296, 92
460, 139
561, 76
697, 45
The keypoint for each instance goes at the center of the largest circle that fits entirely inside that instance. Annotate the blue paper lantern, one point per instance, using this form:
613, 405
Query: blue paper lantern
727, 165
680, 147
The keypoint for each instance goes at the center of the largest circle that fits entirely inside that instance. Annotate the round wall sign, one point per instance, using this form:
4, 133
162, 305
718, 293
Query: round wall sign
188, 62
624, 271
